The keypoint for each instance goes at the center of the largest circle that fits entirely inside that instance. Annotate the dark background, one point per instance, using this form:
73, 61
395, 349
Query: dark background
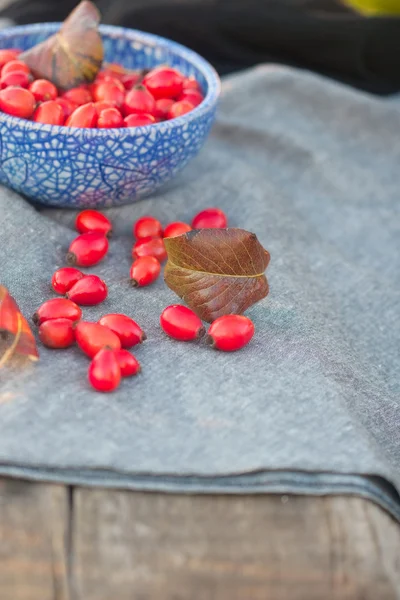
322, 35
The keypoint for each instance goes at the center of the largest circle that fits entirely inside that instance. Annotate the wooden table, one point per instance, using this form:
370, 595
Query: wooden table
63, 543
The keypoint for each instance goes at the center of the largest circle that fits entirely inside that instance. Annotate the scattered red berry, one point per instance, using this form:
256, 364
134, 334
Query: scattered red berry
150, 246
57, 308
15, 65
147, 226
210, 218
181, 323
128, 364
144, 271
88, 291
127, 330
64, 278
139, 120
7, 55
104, 372
93, 220
67, 105
110, 118
192, 96
57, 333
43, 90
163, 82
49, 112
109, 91
83, 116
178, 109
162, 108
138, 100
230, 333
78, 95
176, 228
17, 101
17, 78
93, 337
87, 249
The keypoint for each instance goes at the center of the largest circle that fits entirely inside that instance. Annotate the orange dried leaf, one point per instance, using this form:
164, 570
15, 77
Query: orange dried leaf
72, 56
217, 271
15, 333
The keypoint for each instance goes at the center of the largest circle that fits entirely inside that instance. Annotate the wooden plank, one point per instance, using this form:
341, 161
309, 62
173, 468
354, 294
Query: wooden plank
138, 546
33, 539
141, 546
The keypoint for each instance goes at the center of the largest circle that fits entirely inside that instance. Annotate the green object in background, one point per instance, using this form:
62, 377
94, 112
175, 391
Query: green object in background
376, 7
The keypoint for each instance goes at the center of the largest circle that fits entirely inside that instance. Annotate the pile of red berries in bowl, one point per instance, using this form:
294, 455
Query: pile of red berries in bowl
107, 141
117, 98
108, 342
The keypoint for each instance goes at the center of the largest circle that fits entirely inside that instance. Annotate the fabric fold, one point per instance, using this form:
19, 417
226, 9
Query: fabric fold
312, 404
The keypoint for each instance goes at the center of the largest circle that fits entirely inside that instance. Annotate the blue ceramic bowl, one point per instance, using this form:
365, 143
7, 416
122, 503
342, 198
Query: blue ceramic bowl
72, 167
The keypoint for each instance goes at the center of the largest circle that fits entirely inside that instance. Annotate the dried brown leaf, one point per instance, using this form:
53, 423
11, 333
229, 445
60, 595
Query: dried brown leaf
15, 334
73, 55
217, 271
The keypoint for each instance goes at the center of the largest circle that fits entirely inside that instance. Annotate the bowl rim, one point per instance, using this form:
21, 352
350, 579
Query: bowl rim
134, 35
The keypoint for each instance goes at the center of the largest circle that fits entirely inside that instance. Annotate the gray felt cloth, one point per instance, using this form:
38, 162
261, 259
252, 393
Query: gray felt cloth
312, 404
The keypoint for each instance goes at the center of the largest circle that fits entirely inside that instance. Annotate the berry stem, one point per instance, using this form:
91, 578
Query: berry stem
71, 259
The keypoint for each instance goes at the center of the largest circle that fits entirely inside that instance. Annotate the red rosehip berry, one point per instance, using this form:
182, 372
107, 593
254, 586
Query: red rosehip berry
128, 364
178, 109
16, 78
162, 108
93, 220
110, 118
63, 279
210, 218
192, 96
49, 112
7, 55
147, 227
67, 106
87, 249
163, 82
88, 291
144, 271
109, 91
17, 101
84, 116
57, 308
78, 95
131, 79
15, 65
149, 246
181, 323
93, 337
113, 70
104, 373
176, 228
230, 332
138, 100
140, 120
190, 83
57, 333
128, 331
43, 90
100, 106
